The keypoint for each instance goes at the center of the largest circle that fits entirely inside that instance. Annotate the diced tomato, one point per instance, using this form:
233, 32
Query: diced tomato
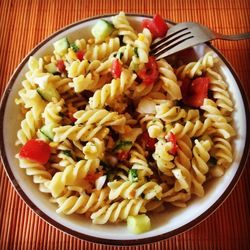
123, 155
157, 26
116, 69
172, 138
80, 55
185, 87
61, 66
149, 74
35, 150
146, 23
195, 91
161, 26
149, 142
93, 177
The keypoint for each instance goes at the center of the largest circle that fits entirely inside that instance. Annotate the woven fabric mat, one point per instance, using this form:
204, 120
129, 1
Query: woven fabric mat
23, 24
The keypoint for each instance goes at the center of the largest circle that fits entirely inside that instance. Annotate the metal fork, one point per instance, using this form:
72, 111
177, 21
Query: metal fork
185, 35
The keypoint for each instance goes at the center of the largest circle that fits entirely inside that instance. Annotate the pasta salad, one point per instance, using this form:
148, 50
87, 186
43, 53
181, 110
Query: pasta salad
115, 135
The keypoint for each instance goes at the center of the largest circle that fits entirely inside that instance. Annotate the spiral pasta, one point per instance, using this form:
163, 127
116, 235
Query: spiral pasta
128, 190
124, 28
102, 51
122, 134
162, 157
112, 90
84, 203
169, 79
118, 211
196, 68
199, 166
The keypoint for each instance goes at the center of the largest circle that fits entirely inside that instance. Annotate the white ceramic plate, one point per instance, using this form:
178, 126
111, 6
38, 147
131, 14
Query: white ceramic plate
164, 225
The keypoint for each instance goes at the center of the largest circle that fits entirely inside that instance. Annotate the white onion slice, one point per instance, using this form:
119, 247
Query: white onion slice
100, 182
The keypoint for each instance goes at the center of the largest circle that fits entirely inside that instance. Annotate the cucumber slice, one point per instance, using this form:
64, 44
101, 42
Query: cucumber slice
51, 68
102, 29
47, 130
48, 93
61, 46
138, 224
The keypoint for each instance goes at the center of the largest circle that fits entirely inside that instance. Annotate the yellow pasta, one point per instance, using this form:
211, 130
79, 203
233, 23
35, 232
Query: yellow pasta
127, 134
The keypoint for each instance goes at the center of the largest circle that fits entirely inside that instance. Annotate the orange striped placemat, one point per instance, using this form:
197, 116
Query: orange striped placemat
23, 24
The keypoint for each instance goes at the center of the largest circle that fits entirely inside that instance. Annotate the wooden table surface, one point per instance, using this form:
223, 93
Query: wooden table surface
24, 23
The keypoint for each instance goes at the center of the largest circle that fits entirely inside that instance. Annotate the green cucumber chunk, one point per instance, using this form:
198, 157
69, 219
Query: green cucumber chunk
51, 68
47, 130
48, 93
102, 29
138, 224
61, 46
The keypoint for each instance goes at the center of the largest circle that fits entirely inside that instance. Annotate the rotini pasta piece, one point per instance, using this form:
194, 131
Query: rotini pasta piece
69, 204
88, 82
169, 113
80, 132
220, 92
125, 53
29, 125
178, 199
156, 128
196, 68
100, 117
169, 80
51, 113
142, 44
220, 123
192, 115
124, 28
110, 91
94, 149
222, 151
71, 175
199, 166
162, 157
139, 161
191, 129
118, 211
23, 92
183, 164
129, 190
78, 68
102, 51
39, 172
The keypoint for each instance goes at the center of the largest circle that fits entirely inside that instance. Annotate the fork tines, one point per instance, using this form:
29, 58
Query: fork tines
170, 41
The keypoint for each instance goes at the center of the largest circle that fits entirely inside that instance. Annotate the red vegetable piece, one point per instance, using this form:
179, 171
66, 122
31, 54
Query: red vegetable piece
149, 142
61, 66
172, 139
80, 55
146, 23
123, 155
93, 177
160, 25
149, 74
35, 150
116, 69
195, 92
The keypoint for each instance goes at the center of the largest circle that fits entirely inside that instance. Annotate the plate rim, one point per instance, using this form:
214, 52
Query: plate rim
130, 242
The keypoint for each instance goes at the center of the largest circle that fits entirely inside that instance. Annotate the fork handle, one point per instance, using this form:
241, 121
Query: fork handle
233, 37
